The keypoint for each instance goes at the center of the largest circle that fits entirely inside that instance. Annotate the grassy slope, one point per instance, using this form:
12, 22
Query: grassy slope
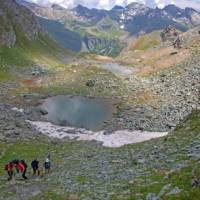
43, 51
183, 137
139, 46
145, 42
71, 156
66, 38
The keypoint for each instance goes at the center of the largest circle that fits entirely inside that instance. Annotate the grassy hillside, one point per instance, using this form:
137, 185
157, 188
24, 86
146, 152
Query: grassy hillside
66, 38
95, 172
145, 42
25, 53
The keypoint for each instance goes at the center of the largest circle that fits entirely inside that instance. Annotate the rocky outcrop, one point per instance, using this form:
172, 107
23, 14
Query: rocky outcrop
15, 18
13, 125
7, 33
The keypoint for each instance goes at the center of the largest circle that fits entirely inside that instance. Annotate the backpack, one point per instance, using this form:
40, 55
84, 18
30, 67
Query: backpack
21, 167
34, 164
6, 167
24, 163
47, 165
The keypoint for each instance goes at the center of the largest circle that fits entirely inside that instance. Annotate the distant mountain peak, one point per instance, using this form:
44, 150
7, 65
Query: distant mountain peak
80, 9
172, 7
57, 7
190, 9
118, 8
79, 6
136, 5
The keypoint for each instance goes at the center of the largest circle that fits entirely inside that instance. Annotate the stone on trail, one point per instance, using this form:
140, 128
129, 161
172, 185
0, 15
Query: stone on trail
195, 182
73, 197
174, 191
152, 196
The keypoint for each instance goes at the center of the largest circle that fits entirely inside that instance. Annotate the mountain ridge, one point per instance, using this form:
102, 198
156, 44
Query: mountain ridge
124, 22
150, 3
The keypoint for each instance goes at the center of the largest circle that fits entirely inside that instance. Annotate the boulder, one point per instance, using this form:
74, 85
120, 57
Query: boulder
90, 83
43, 111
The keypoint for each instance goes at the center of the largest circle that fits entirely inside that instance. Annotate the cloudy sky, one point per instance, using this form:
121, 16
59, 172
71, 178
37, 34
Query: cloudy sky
107, 4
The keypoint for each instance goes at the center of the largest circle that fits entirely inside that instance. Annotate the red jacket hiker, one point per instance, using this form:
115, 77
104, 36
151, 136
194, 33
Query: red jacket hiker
20, 167
9, 168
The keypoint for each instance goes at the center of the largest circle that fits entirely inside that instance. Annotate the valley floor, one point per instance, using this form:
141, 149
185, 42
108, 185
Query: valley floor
157, 102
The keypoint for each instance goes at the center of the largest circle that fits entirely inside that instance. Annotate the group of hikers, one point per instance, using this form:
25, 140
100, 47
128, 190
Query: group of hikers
20, 166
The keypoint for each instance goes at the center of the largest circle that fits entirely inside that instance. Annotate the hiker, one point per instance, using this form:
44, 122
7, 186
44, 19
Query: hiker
15, 161
177, 42
35, 167
47, 166
22, 167
163, 37
25, 169
9, 168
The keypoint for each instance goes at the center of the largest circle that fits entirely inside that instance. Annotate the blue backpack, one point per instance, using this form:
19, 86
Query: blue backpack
47, 165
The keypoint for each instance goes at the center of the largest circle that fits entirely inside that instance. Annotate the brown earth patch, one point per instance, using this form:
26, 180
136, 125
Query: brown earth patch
156, 61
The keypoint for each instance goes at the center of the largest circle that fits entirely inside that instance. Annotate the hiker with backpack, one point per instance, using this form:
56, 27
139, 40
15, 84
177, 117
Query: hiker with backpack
22, 167
9, 168
25, 169
47, 166
35, 167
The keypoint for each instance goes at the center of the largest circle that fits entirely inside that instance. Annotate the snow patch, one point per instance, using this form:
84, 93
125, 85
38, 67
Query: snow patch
114, 140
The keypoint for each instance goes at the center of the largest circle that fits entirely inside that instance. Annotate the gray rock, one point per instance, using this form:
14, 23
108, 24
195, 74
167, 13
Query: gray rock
43, 111
174, 191
164, 190
195, 182
152, 196
90, 83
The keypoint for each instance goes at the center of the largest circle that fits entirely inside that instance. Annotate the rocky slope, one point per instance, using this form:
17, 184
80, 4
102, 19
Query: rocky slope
166, 168
13, 19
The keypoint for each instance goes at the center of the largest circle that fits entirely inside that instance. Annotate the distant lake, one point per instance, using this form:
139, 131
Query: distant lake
81, 112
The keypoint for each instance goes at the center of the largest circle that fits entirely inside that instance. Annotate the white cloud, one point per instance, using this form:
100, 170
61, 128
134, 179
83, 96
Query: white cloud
180, 3
108, 4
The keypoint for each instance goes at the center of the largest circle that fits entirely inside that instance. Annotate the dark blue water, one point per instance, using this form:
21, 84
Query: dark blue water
78, 111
